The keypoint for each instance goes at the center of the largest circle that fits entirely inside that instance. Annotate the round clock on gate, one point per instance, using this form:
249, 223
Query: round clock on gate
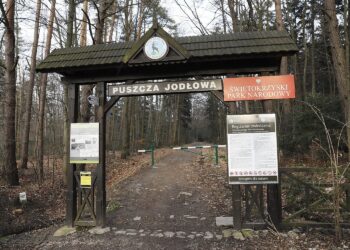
156, 48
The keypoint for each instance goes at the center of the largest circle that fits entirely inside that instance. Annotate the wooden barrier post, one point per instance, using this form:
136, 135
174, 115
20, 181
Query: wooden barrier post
216, 155
152, 154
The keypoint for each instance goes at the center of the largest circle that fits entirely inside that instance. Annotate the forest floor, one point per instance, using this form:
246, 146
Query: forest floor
173, 206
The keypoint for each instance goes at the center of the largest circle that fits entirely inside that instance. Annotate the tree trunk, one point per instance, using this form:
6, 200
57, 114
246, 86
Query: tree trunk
111, 31
232, 4
87, 90
306, 53
339, 64
83, 32
284, 63
140, 19
125, 129
42, 96
312, 51
66, 128
251, 21
223, 15
305, 72
29, 97
10, 167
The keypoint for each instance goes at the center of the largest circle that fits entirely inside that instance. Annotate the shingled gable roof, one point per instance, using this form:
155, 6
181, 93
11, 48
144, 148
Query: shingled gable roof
197, 48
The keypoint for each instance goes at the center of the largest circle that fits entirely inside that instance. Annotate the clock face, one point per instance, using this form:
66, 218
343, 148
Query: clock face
156, 48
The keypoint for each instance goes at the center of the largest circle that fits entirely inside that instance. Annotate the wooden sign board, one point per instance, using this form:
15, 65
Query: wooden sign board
252, 149
259, 88
165, 87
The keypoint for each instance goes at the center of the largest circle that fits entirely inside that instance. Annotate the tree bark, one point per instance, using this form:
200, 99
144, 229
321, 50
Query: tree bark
284, 61
82, 40
312, 51
306, 53
87, 90
125, 128
251, 21
113, 21
42, 96
341, 73
10, 167
232, 4
66, 128
29, 97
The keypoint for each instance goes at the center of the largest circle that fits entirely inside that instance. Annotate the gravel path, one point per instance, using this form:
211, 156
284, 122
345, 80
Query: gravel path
169, 207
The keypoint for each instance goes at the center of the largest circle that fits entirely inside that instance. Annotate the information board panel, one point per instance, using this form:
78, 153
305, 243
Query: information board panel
84, 146
252, 149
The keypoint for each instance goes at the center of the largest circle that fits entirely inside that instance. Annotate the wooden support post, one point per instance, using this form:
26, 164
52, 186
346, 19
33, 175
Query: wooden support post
260, 191
73, 109
101, 168
274, 203
237, 207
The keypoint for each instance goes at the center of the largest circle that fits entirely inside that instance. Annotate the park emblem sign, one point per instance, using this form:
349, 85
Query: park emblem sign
252, 149
259, 88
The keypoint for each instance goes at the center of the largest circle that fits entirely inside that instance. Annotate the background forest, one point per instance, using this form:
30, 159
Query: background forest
33, 111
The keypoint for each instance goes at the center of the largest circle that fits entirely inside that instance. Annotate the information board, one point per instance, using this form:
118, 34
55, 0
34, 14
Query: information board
252, 149
84, 146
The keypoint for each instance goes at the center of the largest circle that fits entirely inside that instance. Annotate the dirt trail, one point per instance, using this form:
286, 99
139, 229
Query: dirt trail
164, 198
160, 208
169, 207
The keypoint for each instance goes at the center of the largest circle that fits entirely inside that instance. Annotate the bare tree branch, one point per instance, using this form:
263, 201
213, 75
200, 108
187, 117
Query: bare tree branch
90, 25
4, 16
198, 24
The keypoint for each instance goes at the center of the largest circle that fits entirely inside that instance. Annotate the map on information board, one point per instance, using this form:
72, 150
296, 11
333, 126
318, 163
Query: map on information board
252, 149
84, 146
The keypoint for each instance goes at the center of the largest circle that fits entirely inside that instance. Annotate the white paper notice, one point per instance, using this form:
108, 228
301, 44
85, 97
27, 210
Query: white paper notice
84, 143
252, 149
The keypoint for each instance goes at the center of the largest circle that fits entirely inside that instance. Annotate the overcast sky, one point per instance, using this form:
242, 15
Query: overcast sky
26, 15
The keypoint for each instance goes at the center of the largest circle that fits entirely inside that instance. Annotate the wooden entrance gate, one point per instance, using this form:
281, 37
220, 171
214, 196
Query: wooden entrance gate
186, 58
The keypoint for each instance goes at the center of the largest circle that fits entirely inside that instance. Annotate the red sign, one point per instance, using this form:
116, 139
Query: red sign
259, 88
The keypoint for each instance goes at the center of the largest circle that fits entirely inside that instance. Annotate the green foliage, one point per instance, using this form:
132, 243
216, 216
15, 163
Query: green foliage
299, 132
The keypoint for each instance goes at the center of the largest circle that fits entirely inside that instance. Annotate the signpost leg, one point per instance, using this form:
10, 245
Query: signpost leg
101, 168
71, 210
236, 205
274, 204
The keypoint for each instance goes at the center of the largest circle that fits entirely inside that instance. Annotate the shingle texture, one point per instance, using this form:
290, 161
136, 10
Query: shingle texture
237, 44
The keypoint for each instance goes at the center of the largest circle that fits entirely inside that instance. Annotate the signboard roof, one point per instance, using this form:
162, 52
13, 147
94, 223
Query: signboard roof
195, 48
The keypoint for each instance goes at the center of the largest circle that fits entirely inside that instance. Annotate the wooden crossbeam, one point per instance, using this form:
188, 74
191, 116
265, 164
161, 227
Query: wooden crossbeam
296, 214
